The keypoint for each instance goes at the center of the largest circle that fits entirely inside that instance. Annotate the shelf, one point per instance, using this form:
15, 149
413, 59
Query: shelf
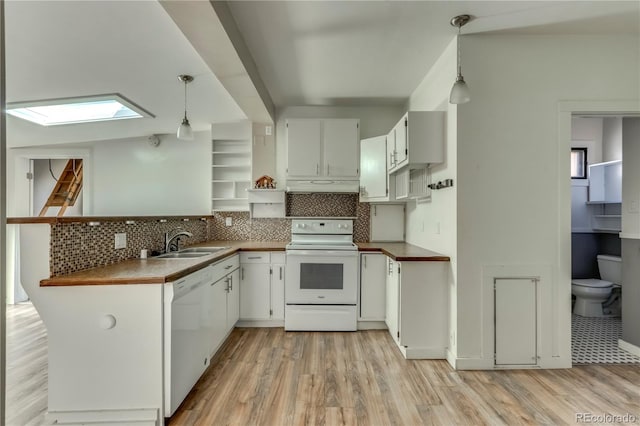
230, 181
231, 152
603, 202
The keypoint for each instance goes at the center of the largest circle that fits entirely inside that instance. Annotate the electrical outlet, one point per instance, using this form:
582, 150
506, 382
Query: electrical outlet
268, 131
228, 221
121, 241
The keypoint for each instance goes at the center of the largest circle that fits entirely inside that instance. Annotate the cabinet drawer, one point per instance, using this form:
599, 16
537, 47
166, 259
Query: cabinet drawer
225, 266
255, 257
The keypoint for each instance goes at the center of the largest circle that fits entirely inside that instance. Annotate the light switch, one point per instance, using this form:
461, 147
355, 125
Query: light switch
268, 131
121, 241
633, 206
228, 221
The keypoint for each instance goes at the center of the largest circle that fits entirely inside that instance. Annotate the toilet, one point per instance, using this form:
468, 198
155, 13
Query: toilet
591, 293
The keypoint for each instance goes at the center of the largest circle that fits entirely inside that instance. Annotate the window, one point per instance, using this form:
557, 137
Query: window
54, 112
578, 163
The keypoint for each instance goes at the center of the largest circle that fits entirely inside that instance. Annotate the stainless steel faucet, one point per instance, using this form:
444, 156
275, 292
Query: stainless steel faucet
171, 242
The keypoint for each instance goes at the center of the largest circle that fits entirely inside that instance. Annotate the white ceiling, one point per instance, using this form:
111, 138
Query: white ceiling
74, 48
364, 52
307, 53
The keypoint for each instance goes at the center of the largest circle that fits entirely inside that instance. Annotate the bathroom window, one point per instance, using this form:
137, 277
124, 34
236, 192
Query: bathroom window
578, 163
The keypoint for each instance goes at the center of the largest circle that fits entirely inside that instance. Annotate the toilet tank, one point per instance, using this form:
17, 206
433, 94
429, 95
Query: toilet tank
610, 268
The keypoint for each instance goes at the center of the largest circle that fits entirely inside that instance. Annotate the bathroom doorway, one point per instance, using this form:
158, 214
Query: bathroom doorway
596, 246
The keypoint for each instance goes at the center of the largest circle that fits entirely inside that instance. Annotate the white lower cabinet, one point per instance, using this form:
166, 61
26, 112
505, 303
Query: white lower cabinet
372, 287
417, 307
262, 286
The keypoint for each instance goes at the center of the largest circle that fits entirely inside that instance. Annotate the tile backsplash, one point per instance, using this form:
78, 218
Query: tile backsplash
78, 246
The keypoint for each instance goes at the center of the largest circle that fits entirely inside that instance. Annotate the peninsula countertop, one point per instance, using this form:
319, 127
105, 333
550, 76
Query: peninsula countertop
403, 252
157, 271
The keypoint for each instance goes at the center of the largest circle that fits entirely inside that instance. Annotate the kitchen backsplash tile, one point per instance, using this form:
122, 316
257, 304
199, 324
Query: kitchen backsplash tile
78, 246
322, 205
244, 228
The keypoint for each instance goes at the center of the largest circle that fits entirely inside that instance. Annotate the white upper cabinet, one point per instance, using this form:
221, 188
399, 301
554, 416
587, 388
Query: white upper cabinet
374, 180
323, 149
417, 140
303, 148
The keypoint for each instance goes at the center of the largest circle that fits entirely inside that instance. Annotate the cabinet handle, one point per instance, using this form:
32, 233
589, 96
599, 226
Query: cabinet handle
254, 257
226, 289
328, 170
231, 282
242, 273
390, 267
228, 267
281, 273
317, 169
364, 261
391, 158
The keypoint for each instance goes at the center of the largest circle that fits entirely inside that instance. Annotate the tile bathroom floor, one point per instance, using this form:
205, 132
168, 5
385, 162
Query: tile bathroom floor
595, 341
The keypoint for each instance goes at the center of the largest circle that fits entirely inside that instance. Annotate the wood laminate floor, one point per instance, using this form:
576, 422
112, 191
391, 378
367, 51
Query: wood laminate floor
269, 377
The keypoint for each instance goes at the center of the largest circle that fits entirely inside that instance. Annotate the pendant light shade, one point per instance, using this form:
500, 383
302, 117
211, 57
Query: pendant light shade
185, 132
460, 93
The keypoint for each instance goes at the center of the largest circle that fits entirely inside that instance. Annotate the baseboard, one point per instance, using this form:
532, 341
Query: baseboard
139, 417
372, 325
260, 323
626, 346
473, 364
488, 364
451, 358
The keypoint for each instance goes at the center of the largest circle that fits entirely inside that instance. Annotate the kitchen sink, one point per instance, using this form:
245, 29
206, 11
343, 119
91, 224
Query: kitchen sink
205, 250
181, 255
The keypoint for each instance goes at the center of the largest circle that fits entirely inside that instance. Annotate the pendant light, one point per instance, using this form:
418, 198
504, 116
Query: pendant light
185, 132
460, 91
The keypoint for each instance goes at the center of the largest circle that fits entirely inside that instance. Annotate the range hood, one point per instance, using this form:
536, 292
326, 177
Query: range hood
307, 186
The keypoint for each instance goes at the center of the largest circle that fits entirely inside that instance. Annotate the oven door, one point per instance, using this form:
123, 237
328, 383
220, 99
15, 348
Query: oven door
321, 277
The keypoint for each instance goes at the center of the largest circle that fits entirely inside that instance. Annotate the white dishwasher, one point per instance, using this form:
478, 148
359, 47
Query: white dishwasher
186, 351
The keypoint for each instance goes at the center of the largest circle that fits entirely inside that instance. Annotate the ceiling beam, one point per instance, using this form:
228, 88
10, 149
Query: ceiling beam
212, 31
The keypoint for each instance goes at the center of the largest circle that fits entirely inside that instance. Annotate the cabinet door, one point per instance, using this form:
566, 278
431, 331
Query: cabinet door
391, 148
340, 139
401, 142
402, 184
277, 292
373, 172
303, 148
372, 287
392, 299
254, 291
387, 222
233, 299
217, 302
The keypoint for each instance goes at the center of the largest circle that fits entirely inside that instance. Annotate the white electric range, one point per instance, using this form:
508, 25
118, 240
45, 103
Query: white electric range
321, 291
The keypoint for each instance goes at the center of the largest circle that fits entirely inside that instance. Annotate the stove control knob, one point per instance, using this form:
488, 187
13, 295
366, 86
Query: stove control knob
341, 226
301, 225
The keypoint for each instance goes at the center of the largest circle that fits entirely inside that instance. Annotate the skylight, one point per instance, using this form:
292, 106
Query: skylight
54, 112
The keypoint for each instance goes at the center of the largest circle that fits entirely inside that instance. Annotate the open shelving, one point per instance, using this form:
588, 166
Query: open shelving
231, 174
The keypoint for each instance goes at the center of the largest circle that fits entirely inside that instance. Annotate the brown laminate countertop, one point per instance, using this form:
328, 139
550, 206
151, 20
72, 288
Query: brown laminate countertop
404, 252
158, 271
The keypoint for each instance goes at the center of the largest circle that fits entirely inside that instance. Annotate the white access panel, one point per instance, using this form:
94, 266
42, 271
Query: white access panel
515, 317
387, 222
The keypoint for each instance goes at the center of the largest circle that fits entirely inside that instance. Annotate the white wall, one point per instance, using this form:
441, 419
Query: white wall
130, 177
612, 139
510, 212
374, 121
586, 132
433, 225
631, 179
